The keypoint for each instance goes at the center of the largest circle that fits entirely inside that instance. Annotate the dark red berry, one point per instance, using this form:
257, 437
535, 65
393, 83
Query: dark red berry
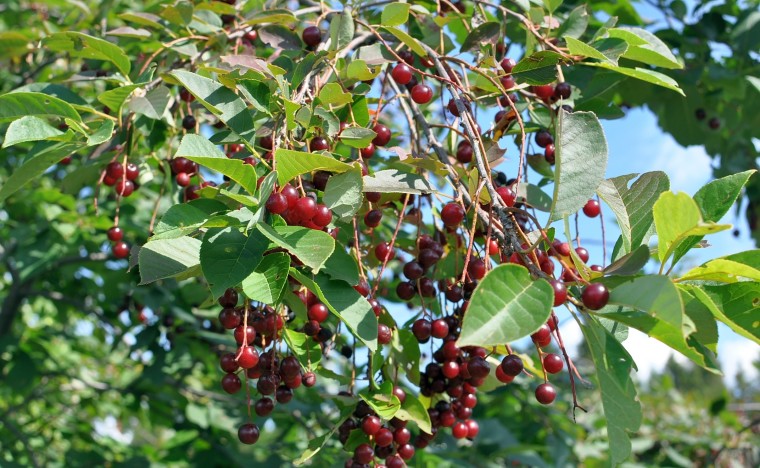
131, 171
277, 203
115, 234
188, 122
508, 64
384, 334
384, 252
368, 152
371, 424
120, 250
422, 94
582, 254
512, 365
312, 36
476, 269
318, 144
560, 291
553, 363
372, 218
363, 454
318, 312
231, 383
452, 214
595, 296
439, 328
508, 195
228, 363
248, 433
545, 394
383, 135
543, 92
592, 209
562, 91
464, 152
263, 406
543, 336
422, 329
402, 74
544, 138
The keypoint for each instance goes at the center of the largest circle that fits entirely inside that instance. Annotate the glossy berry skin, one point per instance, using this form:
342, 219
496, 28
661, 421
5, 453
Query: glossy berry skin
306, 208
543, 336
188, 122
452, 108
512, 365
422, 94
277, 203
318, 144
422, 328
549, 153
131, 171
383, 135
371, 424
464, 152
368, 152
309, 379
372, 218
545, 394
592, 208
562, 91
452, 214
115, 170
508, 64
115, 234
244, 334
553, 363
263, 406
363, 454
595, 296
472, 428
248, 357
124, 187
508, 82
248, 433
183, 179
402, 74
508, 195
459, 430
231, 383
312, 36
384, 252
439, 328
560, 292
384, 437
322, 217
384, 334
405, 451
318, 312
543, 92
476, 269
544, 138
120, 250
413, 270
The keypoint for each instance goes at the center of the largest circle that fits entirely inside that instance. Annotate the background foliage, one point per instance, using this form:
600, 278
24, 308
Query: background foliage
96, 369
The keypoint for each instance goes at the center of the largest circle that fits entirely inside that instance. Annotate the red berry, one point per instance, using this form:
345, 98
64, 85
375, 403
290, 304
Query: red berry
322, 217
400, 393
248, 357
309, 379
472, 428
231, 383
263, 406
372, 218
120, 250
562, 91
312, 36
115, 170
306, 208
422, 94
512, 365
371, 424
318, 312
384, 252
277, 203
364, 454
248, 433
508, 82
582, 254
544, 92
401, 74
452, 214
228, 363
439, 328
132, 171
405, 451
185, 95
545, 394
367, 152
549, 153
508, 64
115, 234
502, 376
422, 329
183, 179
595, 296
508, 195
318, 144
363, 287
464, 152
592, 208
383, 437
459, 430
383, 135
244, 334
543, 336
553, 363
124, 187
384, 334
560, 291
476, 269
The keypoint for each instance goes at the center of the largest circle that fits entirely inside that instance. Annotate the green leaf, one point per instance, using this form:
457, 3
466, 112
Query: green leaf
228, 257
575, 24
266, 282
343, 193
645, 47
342, 266
714, 200
552, 5
394, 14
153, 105
357, 137
613, 367
185, 218
413, 410
534, 196
486, 33
581, 161
650, 76
220, 101
385, 404
310, 246
291, 164
316, 444
630, 264
405, 350
607, 50
114, 98
81, 45
707, 328
197, 148
13, 44
102, 133
306, 350
396, 181
29, 128
347, 304
538, 163
538, 69
341, 30
735, 304
676, 217
333, 94
56, 90
725, 271
633, 206
359, 70
42, 157
408, 40
507, 305
17, 105
165, 258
